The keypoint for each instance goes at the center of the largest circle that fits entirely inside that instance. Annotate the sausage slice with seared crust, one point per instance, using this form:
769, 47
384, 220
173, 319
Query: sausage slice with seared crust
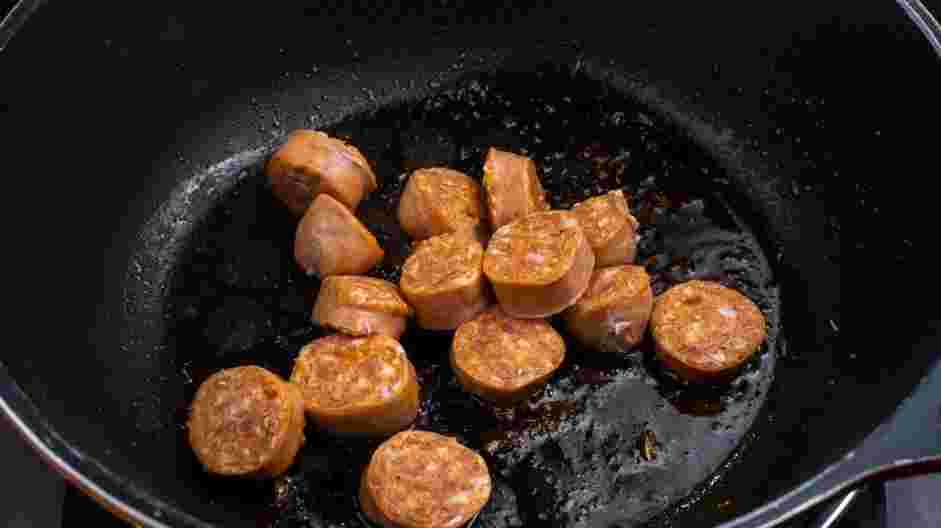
330, 240
443, 281
539, 265
613, 314
246, 422
357, 385
361, 306
703, 330
437, 201
420, 479
512, 187
310, 163
504, 359
610, 228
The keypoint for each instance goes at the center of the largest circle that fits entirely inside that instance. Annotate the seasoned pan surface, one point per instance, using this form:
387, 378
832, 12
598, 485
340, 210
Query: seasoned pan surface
611, 439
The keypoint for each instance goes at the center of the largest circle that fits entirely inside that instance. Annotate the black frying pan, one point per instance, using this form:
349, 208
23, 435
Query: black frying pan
747, 137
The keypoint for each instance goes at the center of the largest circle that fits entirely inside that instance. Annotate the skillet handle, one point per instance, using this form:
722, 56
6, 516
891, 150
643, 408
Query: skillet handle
834, 512
907, 444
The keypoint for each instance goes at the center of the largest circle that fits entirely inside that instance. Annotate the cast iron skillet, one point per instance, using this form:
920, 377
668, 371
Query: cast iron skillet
747, 137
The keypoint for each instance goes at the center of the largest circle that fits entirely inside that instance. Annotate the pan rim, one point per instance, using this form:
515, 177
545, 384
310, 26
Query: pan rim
91, 478
121, 498
925, 21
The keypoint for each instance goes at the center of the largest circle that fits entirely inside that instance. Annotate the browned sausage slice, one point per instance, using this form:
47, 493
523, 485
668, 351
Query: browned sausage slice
357, 385
310, 163
437, 201
246, 421
330, 240
504, 359
443, 281
704, 330
610, 228
613, 314
361, 306
420, 479
512, 187
539, 265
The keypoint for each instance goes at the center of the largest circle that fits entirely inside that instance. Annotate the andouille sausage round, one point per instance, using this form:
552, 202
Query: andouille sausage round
247, 422
504, 359
310, 163
420, 479
613, 314
330, 240
512, 187
443, 281
439, 200
703, 330
361, 306
610, 228
357, 385
540, 264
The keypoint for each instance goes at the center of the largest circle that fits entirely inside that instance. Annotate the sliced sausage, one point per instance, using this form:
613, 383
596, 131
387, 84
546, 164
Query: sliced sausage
437, 201
512, 187
610, 228
703, 330
330, 240
246, 421
420, 479
310, 163
504, 359
357, 385
613, 314
361, 306
539, 265
443, 282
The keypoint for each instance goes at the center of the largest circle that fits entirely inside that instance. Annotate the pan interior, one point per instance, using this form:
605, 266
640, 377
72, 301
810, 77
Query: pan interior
610, 440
